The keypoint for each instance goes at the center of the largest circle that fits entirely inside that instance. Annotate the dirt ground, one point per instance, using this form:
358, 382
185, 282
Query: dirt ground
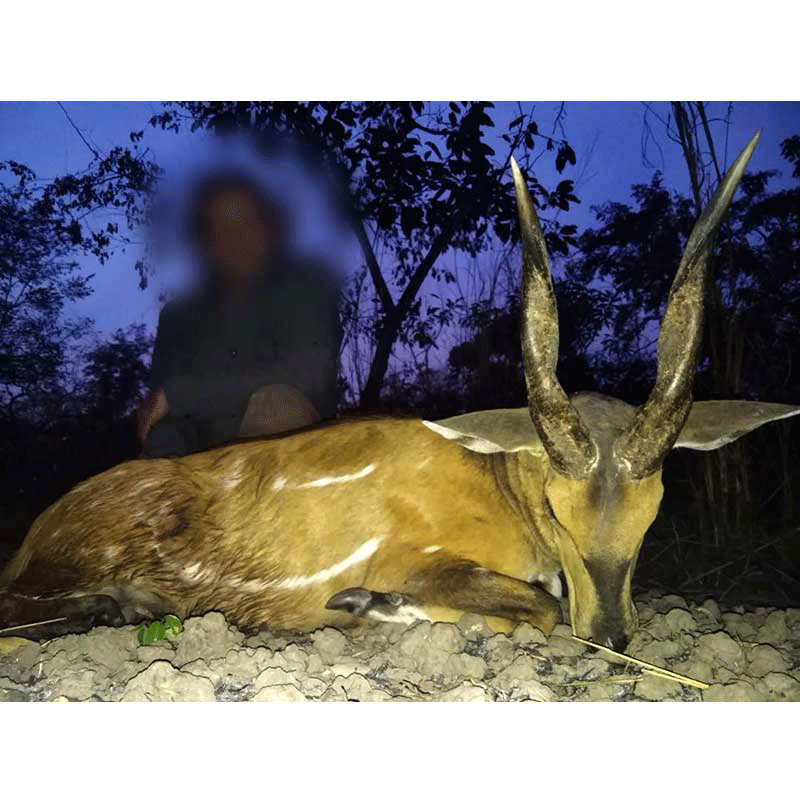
741, 654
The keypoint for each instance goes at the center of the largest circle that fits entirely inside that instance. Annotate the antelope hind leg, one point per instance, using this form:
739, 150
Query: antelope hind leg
443, 592
70, 615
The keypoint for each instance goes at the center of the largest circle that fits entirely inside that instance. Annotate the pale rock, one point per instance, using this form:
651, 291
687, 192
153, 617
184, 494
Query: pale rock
695, 667
161, 682
781, 686
669, 601
774, 629
330, 644
274, 676
602, 692
208, 636
462, 665
10, 695
499, 651
658, 652
651, 687
291, 658
737, 691
465, 693
792, 618
473, 626
313, 687
525, 634
522, 668
357, 688
708, 609
280, 693
80, 685
560, 646
764, 658
645, 612
679, 620
562, 630
721, 648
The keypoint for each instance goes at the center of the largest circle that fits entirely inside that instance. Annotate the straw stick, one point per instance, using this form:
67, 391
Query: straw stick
32, 625
649, 668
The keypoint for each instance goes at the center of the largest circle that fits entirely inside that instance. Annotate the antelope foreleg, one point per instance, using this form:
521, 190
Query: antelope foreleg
444, 591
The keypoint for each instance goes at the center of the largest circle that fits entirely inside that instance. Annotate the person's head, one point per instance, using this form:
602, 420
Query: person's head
236, 226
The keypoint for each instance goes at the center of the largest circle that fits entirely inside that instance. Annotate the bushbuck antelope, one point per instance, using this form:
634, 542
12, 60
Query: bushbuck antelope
399, 520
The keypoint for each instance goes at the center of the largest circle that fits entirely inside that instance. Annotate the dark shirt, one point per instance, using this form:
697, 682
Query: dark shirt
210, 356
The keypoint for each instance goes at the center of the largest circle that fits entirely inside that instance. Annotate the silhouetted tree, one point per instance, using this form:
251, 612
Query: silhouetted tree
116, 373
38, 276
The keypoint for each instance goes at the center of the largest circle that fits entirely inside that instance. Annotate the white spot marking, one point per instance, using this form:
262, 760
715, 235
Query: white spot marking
356, 557
354, 476
252, 586
434, 548
406, 615
281, 482
234, 479
362, 553
192, 572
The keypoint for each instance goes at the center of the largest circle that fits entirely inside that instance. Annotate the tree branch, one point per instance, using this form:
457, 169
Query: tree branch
77, 130
372, 265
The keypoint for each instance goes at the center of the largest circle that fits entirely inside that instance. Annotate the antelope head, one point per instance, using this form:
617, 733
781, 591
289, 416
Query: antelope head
603, 484
603, 458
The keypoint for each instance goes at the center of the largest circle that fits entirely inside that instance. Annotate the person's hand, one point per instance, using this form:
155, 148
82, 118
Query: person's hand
274, 409
153, 409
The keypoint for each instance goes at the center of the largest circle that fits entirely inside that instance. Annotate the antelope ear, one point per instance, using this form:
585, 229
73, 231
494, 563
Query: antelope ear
502, 430
715, 423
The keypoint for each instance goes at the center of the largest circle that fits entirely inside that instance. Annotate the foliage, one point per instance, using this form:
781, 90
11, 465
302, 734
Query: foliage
155, 631
116, 373
38, 277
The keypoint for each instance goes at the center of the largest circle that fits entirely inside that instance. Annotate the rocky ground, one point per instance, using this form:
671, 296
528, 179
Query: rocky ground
742, 654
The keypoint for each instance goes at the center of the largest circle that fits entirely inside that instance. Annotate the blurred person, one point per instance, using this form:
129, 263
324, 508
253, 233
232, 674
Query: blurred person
253, 349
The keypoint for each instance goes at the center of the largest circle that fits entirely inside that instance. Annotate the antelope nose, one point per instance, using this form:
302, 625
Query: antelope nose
618, 643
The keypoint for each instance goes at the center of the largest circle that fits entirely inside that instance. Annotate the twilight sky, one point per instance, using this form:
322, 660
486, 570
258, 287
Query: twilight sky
606, 136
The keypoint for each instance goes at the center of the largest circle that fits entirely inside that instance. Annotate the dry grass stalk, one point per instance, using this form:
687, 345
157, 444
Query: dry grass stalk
32, 624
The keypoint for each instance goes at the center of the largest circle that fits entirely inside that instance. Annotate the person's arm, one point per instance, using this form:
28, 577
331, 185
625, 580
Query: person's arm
153, 409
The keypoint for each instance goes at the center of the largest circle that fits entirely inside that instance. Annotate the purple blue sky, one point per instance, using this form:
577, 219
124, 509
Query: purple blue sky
606, 136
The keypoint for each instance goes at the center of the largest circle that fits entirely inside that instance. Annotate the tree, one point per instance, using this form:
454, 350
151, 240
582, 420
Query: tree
37, 278
413, 179
489, 362
44, 227
116, 373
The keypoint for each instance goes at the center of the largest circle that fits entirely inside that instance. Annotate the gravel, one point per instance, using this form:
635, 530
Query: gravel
744, 655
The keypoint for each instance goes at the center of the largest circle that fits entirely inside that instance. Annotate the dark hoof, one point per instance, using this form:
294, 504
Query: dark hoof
377, 606
39, 619
353, 601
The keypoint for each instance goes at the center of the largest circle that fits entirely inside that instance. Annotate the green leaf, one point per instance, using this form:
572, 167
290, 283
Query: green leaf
153, 632
173, 624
